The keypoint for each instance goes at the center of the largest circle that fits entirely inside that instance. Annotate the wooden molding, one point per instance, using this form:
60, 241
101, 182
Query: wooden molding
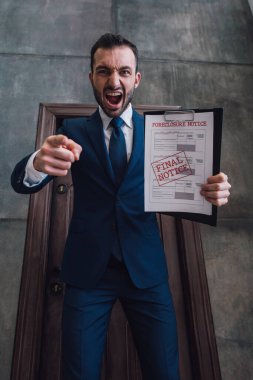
203, 350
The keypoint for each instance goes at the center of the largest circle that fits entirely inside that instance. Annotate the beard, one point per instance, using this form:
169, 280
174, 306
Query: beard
126, 100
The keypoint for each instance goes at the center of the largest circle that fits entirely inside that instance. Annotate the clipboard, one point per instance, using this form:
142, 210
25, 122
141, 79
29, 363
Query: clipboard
188, 115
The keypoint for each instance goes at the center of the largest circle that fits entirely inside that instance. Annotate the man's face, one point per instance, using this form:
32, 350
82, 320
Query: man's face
114, 78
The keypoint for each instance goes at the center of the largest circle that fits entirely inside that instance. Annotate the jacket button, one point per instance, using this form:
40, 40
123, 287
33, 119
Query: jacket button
113, 226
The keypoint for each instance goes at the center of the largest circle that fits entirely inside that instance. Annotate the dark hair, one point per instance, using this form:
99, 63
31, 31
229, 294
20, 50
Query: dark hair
109, 41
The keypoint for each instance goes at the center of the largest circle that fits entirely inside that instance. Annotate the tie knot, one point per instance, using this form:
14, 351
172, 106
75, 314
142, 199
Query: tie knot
117, 122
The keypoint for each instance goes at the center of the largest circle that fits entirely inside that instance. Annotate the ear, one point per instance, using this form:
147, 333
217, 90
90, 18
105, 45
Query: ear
91, 77
137, 79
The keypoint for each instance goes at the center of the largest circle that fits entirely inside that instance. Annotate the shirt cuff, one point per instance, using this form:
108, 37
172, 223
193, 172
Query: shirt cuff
32, 176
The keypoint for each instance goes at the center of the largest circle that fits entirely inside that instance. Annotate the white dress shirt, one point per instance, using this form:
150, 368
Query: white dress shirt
34, 177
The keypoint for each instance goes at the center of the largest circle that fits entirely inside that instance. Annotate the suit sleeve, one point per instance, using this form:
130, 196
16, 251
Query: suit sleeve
18, 175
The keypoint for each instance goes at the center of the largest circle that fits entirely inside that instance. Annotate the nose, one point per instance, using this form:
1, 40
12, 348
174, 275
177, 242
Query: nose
114, 79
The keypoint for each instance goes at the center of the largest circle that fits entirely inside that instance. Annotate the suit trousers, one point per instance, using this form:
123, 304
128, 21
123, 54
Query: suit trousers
150, 313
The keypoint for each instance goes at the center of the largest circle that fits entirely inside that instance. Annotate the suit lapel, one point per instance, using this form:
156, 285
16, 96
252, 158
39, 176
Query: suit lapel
96, 135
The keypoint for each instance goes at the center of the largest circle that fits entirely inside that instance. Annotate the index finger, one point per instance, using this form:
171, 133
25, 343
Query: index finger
218, 178
56, 141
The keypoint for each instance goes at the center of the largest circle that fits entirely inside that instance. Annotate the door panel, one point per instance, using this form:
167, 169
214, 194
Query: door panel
37, 342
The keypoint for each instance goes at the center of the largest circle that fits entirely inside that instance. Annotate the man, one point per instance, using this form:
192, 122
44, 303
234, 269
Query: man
113, 250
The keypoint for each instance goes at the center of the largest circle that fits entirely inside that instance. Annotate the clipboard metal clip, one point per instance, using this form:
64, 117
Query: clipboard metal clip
186, 115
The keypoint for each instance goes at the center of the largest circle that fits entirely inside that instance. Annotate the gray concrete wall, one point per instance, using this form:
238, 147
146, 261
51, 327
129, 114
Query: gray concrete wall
251, 5
194, 53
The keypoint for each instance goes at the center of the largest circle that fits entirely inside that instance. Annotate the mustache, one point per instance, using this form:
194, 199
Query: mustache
111, 88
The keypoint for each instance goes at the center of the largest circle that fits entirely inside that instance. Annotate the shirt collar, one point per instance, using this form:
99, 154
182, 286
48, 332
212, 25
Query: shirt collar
126, 116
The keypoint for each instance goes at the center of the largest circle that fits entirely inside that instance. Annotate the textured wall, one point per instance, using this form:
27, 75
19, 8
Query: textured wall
193, 53
251, 4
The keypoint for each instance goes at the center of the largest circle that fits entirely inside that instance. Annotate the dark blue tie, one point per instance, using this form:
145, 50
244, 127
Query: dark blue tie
118, 157
117, 149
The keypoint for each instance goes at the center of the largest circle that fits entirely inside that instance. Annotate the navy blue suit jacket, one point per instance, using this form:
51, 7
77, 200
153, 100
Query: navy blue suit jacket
99, 206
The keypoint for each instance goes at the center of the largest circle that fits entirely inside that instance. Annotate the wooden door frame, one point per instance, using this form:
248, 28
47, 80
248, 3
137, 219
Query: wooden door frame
200, 329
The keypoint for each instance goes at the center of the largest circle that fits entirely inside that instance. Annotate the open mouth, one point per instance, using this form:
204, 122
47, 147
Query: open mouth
113, 98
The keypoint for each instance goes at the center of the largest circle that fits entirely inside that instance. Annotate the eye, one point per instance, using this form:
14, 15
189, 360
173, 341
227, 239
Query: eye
102, 71
125, 72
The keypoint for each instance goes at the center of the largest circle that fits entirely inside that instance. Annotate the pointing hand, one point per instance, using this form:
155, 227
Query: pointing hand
56, 155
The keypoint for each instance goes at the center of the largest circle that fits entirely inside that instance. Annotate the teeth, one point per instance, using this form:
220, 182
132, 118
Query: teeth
113, 94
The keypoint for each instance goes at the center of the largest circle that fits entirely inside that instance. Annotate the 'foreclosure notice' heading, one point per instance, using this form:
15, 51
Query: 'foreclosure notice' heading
180, 124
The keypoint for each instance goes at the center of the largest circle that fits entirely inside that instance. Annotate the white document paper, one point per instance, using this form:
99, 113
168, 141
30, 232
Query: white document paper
178, 160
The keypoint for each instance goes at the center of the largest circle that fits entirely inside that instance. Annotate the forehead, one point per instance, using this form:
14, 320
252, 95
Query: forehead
116, 57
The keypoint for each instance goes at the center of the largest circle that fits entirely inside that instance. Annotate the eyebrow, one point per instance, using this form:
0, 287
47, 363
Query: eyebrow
109, 68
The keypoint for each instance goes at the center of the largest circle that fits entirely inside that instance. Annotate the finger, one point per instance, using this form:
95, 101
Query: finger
215, 194
56, 163
56, 141
56, 172
218, 202
218, 186
51, 165
77, 151
218, 178
57, 152
75, 148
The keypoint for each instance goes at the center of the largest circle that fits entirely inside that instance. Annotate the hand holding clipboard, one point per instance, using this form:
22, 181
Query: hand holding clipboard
182, 164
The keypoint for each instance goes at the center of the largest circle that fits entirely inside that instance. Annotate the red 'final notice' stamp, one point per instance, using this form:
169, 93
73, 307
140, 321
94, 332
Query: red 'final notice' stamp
171, 168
